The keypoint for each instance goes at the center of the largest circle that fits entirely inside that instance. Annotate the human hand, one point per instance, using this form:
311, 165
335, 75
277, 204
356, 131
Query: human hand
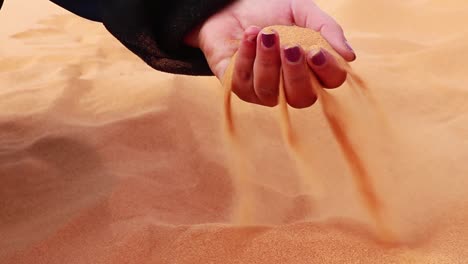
260, 57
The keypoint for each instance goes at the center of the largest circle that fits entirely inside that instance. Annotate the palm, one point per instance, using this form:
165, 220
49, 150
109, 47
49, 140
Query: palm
220, 34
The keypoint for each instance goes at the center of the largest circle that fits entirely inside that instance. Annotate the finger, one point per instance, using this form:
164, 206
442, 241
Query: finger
308, 14
267, 68
326, 68
298, 89
333, 33
242, 78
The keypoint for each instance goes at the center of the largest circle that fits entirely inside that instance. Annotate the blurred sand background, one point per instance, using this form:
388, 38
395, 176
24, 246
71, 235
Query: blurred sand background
104, 160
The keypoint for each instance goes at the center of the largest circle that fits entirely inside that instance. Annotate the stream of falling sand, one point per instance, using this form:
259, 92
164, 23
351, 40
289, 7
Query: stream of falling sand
244, 211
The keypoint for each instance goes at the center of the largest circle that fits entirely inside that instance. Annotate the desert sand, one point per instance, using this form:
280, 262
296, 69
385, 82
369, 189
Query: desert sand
104, 160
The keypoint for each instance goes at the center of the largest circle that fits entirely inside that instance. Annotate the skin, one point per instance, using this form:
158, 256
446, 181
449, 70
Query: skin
257, 68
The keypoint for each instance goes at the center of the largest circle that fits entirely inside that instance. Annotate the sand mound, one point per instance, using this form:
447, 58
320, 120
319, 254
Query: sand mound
104, 160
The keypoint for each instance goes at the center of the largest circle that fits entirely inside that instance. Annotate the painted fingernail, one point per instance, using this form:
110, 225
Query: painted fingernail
268, 39
349, 46
350, 49
319, 58
292, 54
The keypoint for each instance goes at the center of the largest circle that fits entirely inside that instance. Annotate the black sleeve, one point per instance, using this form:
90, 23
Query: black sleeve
154, 30
89, 9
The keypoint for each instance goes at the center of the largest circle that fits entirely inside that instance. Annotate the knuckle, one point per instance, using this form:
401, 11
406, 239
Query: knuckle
333, 25
268, 61
297, 78
243, 75
267, 92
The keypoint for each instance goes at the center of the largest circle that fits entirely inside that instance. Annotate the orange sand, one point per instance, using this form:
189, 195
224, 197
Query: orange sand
104, 160
340, 124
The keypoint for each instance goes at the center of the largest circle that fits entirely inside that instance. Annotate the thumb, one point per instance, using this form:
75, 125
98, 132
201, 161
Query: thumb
307, 14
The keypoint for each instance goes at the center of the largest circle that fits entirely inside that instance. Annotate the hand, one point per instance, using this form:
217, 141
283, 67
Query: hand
260, 57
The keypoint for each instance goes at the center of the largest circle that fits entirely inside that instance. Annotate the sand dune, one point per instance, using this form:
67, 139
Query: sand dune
104, 160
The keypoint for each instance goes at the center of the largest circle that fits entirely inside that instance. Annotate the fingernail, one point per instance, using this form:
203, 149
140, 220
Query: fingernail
350, 49
349, 46
293, 54
268, 39
319, 58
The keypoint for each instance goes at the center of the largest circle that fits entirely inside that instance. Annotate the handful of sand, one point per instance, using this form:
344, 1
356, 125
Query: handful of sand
291, 35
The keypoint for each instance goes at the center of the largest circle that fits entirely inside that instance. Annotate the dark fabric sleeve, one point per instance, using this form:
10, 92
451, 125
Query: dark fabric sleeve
154, 30
89, 9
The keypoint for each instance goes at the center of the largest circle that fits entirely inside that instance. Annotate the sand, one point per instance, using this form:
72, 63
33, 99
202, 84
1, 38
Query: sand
339, 122
104, 160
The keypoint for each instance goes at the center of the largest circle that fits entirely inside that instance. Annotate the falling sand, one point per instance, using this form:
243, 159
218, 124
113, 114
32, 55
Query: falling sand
105, 160
338, 121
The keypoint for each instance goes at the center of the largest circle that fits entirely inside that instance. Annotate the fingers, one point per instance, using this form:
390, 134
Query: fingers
242, 78
326, 68
256, 73
296, 73
333, 33
267, 67
307, 14
259, 62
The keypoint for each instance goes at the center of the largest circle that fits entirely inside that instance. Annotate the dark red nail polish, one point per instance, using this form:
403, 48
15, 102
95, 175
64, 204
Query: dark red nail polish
293, 54
350, 49
319, 58
268, 39
348, 46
